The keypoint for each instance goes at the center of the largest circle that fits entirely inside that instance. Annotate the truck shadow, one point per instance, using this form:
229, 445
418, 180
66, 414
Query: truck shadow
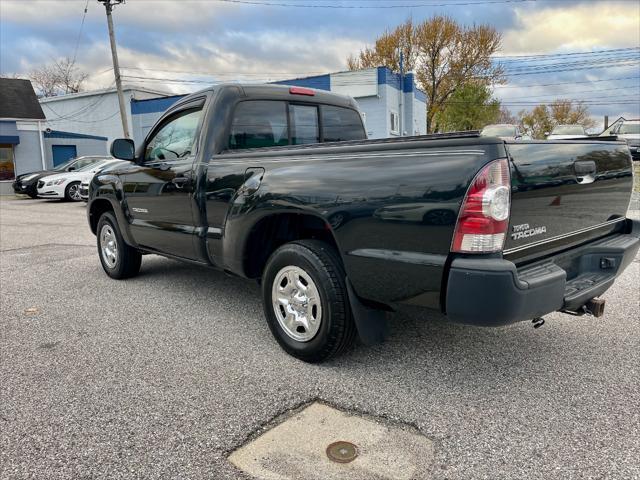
421, 345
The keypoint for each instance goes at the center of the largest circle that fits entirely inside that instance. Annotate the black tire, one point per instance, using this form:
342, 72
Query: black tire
127, 259
69, 194
32, 193
337, 330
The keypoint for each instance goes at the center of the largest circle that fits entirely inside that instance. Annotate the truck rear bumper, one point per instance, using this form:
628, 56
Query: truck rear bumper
493, 292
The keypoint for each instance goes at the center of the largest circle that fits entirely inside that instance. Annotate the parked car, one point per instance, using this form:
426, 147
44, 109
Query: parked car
629, 130
28, 183
504, 131
241, 195
66, 186
84, 188
563, 132
86, 179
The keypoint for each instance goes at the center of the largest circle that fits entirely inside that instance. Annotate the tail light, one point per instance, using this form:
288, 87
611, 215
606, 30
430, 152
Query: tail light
484, 215
302, 91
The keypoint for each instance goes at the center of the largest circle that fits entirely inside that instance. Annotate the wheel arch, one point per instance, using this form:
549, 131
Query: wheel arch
274, 230
100, 205
95, 211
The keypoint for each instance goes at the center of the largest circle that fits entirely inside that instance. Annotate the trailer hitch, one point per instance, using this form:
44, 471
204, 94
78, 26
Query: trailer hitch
594, 307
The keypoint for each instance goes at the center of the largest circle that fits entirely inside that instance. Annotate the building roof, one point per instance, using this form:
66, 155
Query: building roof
102, 92
18, 100
60, 134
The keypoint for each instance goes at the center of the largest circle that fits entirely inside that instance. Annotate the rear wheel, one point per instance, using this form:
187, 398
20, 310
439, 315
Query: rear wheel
305, 301
72, 192
118, 259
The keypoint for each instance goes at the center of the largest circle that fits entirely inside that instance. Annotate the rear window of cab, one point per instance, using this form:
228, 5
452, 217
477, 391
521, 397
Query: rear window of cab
273, 123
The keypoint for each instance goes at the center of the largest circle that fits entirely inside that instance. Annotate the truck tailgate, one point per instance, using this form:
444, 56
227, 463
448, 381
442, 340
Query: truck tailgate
565, 193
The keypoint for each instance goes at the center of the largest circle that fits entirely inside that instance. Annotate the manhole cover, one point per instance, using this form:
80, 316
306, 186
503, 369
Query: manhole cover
342, 452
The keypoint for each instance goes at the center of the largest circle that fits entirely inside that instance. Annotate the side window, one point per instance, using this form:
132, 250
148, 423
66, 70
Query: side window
341, 124
175, 139
394, 123
304, 124
83, 163
259, 123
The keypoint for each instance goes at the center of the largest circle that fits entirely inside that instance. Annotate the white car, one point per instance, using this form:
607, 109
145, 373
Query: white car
564, 132
628, 130
66, 186
505, 131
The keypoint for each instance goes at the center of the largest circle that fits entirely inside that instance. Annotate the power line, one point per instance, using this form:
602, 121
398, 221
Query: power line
84, 16
546, 55
355, 7
573, 93
568, 83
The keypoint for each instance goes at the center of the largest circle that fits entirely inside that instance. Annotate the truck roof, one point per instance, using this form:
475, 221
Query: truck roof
281, 92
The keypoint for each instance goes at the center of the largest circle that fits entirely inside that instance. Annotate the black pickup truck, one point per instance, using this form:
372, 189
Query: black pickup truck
279, 184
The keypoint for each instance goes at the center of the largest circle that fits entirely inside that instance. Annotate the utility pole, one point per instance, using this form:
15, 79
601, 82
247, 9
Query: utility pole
401, 123
108, 5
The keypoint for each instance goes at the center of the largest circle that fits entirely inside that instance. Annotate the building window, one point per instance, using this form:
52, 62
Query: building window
7, 168
394, 121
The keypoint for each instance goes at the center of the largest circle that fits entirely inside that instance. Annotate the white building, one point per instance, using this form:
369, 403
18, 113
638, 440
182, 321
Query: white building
25, 145
387, 106
93, 113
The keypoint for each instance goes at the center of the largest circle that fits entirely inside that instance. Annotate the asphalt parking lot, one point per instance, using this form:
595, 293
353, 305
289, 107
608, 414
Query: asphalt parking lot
163, 375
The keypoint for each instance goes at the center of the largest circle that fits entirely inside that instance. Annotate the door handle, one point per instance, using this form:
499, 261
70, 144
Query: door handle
180, 182
585, 171
253, 179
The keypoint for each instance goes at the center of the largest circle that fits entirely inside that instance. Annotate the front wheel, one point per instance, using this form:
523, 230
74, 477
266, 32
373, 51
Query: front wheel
305, 301
118, 259
72, 192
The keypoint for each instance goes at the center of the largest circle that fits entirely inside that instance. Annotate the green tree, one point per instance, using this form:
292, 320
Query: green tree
444, 55
470, 107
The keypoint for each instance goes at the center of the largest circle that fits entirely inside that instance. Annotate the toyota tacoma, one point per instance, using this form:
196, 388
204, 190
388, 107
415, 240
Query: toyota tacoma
280, 184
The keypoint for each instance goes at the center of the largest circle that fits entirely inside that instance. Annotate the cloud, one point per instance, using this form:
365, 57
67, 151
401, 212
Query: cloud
576, 27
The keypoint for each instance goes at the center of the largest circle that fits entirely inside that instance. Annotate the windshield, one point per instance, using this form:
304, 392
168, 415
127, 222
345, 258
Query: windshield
630, 128
499, 131
63, 166
568, 130
91, 166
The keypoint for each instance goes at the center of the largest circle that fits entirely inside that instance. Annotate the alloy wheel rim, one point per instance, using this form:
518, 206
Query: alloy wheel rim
296, 303
108, 246
74, 192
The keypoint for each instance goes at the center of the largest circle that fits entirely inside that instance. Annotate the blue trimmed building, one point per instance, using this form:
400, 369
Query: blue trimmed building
387, 106
25, 145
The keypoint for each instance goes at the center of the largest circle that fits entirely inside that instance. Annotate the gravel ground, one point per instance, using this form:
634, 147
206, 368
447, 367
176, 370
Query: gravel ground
163, 375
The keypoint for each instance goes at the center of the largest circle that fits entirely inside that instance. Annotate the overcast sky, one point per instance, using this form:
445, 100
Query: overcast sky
214, 40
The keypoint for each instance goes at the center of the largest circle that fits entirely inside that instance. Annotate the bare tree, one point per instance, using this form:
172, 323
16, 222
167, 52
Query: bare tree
45, 81
69, 77
542, 118
60, 77
507, 117
444, 54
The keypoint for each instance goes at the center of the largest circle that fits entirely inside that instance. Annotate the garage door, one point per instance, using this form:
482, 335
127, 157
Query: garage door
62, 153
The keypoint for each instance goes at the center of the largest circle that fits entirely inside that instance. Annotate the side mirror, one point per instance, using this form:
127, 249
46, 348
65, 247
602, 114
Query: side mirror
71, 169
123, 149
